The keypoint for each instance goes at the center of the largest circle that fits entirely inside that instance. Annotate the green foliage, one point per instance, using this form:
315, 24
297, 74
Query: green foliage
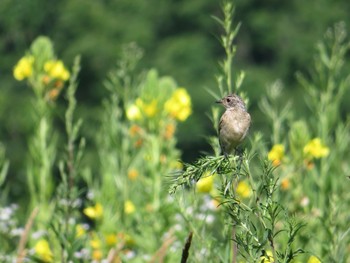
194, 172
4, 164
93, 181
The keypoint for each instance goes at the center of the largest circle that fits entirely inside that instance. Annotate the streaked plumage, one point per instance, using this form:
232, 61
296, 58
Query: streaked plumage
234, 123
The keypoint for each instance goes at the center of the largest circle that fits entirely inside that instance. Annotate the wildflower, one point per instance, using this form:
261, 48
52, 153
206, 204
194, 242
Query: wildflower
285, 184
179, 105
213, 204
43, 251
80, 230
53, 93
129, 207
313, 259
305, 201
205, 184
169, 131
46, 79
162, 159
149, 109
94, 212
16, 232
129, 254
56, 69
135, 130
6, 213
97, 255
309, 164
38, 234
133, 174
90, 195
58, 84
95, 242
316, 149
276, 154
138, 143
82, 254
316, 212
111, 239
133, 113
24, 68
267, 257
243, 190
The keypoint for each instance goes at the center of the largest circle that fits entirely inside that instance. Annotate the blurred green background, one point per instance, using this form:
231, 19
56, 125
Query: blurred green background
179, 38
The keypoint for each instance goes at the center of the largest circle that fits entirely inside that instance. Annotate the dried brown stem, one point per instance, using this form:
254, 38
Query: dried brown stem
161, 252
24, 237
186, 249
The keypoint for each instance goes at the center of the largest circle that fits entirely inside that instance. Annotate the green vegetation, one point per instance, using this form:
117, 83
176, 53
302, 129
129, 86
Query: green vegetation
104, 162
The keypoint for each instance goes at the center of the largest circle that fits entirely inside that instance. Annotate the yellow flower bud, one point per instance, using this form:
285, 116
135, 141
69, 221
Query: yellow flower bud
276, 154
243, 190
179, 105
24, 68
129, 207
56, 69
133, 113
43, 251
313, 259
316, 149
94, 212
205, 184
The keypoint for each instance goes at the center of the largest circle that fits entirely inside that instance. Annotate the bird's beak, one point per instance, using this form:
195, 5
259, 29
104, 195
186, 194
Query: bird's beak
218, 101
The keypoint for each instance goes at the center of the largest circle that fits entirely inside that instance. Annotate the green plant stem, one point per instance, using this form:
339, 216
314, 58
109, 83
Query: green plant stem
234, 245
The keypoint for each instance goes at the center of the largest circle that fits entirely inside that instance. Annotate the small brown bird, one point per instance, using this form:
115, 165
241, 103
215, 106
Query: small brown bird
234, 123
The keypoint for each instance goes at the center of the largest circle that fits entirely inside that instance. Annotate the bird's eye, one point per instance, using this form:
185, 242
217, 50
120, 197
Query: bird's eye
228, 100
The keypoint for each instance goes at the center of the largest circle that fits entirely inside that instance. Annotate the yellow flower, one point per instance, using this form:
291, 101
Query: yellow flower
316, 149
149, 109
133, 174
43, 251
179, 105
243, 190
205, 184
80, 230
133, 113
285, 184
56, 69
276, 154
267, 258
313, 259
97, 254
23, 68
95, 243
111, 239
129, 207
94, 212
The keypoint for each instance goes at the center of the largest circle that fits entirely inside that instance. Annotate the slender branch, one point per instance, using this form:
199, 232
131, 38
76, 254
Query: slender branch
161, 252
23, 241
234, 245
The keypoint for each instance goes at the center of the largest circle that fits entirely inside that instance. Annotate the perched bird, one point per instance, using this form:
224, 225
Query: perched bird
234, 123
